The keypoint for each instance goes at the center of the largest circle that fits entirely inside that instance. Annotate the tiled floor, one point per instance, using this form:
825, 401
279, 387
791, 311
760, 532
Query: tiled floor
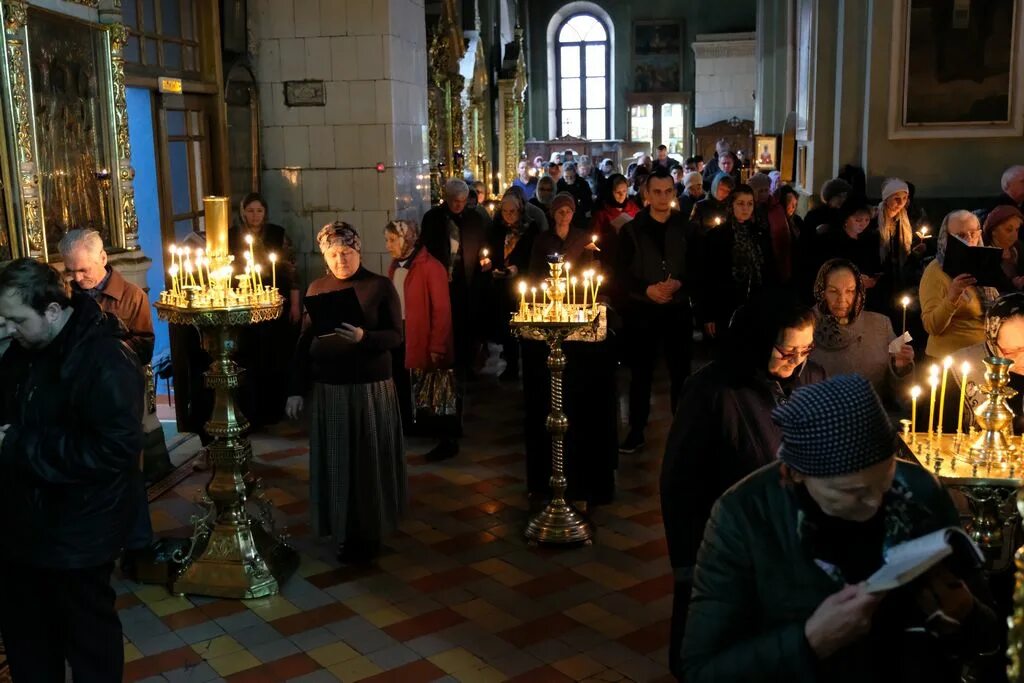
458, 596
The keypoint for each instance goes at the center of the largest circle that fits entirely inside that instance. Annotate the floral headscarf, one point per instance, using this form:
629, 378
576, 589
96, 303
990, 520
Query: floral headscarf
406, 230
338, 233
829, 333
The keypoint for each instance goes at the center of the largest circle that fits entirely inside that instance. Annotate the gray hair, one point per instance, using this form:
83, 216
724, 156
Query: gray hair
81, 238
455, 187
953, 218
1009, 175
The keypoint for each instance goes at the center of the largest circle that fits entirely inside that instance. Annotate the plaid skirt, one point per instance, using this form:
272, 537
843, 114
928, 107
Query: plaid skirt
357, 473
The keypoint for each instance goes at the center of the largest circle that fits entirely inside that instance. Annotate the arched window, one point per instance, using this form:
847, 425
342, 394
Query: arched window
582, 82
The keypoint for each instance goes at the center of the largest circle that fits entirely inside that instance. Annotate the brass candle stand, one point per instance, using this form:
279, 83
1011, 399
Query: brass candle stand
554, 321
232, 553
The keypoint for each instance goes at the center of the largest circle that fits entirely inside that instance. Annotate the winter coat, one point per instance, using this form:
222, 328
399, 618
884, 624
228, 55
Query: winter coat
69, 462
758, 580
428, 312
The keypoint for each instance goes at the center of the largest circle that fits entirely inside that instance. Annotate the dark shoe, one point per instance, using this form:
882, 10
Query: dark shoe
358, 554
444, 450
633, 443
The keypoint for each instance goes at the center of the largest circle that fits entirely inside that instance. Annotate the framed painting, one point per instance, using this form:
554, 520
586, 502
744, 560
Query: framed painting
955, 69
657, 56
766, 152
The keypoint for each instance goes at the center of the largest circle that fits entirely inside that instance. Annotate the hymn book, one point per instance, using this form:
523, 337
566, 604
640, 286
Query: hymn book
984, 263
907, 561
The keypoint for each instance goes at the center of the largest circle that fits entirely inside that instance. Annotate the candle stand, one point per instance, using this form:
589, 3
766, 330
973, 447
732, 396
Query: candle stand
554, 322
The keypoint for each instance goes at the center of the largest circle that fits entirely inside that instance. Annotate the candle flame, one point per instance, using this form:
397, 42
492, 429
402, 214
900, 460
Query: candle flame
905, 301
248, 239
522, 288
273, 257
533, 289
933, 370
933, 381
947, 362
593, 238
915, 392
965, 368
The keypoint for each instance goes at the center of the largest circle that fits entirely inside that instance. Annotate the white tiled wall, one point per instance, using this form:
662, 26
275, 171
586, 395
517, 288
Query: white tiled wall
320, 162
725, 75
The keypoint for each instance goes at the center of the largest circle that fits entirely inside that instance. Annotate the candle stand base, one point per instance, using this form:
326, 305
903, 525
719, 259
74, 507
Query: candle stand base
233, 553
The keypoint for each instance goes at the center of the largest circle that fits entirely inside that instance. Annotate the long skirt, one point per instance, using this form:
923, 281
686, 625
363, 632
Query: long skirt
357, 474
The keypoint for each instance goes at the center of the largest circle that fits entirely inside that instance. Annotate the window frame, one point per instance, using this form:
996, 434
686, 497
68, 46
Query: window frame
557, 46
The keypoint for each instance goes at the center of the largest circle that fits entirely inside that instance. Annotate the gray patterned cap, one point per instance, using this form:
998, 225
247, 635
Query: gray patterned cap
338, 233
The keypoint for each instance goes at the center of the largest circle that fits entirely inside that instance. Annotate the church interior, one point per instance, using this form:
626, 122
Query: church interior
453, 315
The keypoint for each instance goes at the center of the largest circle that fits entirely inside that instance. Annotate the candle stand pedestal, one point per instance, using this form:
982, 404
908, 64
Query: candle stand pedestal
232, 553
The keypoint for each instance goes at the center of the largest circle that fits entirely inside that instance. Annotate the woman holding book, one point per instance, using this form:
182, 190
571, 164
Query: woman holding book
783, 585
952, 309
356, 449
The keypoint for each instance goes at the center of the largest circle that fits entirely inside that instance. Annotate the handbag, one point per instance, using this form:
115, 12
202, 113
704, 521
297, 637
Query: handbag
433, 392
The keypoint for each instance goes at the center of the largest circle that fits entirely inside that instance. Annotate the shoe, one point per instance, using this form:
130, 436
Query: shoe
633, 443
444, 450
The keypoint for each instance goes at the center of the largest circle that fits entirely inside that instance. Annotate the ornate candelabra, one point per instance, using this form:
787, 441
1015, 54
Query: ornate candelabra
232, 554
994, 417
558, 318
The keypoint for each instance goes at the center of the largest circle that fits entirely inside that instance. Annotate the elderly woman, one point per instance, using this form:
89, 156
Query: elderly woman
510, 236
722, 430
356, 450
778, 591
952, 309
591, 456
848, 339
1001, 229
422, 287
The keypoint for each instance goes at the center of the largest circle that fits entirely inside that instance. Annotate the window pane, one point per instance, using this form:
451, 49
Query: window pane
128, 14
586, 28
170, 18
595, 60
570, 64
596, 94
199, 190
189, 60
181, 199
596, 124
150, 52
641, 123
570, 93
569, 34
673, 128
571, 122
182, 228
131, 49
175, 122
149, 16
188, 29
172, 55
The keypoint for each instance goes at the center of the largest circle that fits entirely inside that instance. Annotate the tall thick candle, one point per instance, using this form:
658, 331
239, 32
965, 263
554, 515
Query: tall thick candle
568, 297
933, 382
905, 301
947, 363
522, 296
273, 270
964, 369
216, 210
915, 393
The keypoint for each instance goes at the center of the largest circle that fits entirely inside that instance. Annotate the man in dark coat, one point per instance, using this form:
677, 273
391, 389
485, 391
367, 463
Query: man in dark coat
653, 274
723, 430
71, 401
782, 590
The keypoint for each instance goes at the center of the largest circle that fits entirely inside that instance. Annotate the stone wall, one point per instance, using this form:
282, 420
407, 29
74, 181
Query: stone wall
725, 75
320, 164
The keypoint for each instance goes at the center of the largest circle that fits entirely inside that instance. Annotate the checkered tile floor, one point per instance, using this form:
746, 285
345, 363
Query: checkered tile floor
457, 596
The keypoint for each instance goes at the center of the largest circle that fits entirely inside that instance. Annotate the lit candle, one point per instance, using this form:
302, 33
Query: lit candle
599, 280
933, 382
573, 297
259, 276
199, 267
544, 290
586, 285
718, 220
964, 369
533, 293
947, 363
915, 393
173, 272
568, 267
273, 269
905, 301
522, 296
593, 241
483, 257
249, 240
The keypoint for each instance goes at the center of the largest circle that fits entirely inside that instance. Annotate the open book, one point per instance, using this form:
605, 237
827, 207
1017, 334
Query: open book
907, 561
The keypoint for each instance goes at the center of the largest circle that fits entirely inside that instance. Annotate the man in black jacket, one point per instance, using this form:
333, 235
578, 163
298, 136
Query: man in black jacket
652, 270
71, 401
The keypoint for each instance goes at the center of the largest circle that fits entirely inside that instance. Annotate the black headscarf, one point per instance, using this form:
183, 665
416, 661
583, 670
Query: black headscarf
755, 329
608, 191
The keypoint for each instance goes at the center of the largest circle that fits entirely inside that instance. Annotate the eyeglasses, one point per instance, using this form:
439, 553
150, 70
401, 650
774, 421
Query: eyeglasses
794, 354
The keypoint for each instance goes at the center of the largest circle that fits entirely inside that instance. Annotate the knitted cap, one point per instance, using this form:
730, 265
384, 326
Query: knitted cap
893, 185
833, 188
562, 199
834, 427
759, 181
693, 178
1000, 215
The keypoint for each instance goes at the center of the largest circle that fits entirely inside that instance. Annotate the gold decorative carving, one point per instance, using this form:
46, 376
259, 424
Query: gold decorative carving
444, 95
15, 15
512, 112
88, 3
118, 35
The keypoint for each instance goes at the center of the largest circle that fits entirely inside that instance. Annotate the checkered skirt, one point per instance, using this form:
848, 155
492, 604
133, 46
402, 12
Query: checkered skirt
357, 472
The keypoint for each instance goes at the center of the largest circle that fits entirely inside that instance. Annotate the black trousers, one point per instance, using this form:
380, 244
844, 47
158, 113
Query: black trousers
49, 615
650, 329
680, 608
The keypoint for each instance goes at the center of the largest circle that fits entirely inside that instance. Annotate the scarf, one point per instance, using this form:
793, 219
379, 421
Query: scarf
747, 258
829, 333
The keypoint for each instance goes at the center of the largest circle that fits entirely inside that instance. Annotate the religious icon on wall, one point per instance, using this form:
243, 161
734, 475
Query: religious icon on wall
766, 152
955, 62
657, 56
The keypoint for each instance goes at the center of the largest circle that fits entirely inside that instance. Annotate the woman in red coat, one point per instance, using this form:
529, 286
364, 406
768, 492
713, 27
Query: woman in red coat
422, 285
616, 209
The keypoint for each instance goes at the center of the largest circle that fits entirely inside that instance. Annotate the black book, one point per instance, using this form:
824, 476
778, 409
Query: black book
984, 263
327, 312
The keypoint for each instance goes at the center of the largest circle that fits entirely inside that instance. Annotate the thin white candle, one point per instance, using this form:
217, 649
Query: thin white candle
947, 363
964, 369
915, 393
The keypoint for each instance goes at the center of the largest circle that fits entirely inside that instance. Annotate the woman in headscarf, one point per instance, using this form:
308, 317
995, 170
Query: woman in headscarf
722, 429
953, 309
510, 237
543, 196
711, 212
616, 210
899, 249
848, 339
853, 241
356, 449
1001, 229
421, 283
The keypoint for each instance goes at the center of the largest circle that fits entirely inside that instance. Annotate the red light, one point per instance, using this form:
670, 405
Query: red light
380, 167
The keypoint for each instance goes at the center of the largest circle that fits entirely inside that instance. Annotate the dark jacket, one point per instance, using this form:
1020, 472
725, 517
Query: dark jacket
129, 304
470, 232
580, 190
757, 583
728, 277
722, 432
69, 463
648, 253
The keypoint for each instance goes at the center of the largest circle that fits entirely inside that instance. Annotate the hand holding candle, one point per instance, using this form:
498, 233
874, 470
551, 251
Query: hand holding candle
485, 260
593, 244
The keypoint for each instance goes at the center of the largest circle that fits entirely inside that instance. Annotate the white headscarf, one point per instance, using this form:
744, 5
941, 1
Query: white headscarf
887, 223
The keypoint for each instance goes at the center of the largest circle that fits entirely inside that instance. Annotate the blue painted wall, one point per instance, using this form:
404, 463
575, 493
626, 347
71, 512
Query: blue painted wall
147, 201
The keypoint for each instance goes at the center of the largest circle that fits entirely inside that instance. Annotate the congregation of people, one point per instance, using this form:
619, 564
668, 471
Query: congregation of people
781, 485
